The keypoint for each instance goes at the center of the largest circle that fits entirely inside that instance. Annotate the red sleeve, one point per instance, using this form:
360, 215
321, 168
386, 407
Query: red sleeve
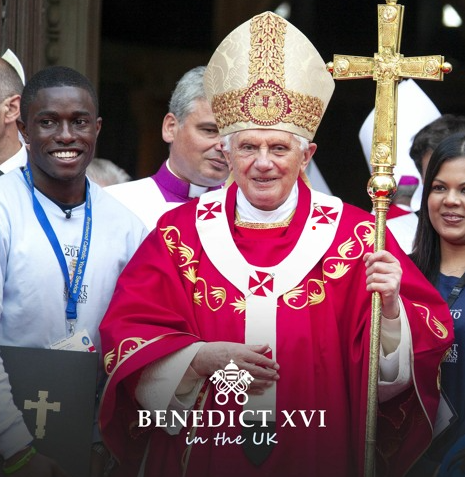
149, 316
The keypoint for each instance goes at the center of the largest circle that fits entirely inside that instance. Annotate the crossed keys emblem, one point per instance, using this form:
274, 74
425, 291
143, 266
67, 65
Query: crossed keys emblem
231, 379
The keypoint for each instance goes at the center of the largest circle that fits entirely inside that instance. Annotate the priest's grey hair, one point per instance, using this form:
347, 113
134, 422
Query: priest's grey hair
188, 90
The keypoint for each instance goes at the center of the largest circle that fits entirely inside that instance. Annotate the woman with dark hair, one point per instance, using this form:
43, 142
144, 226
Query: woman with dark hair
439, 252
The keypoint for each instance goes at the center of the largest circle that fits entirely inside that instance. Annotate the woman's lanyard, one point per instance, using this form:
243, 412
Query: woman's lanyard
454, 294
74, 286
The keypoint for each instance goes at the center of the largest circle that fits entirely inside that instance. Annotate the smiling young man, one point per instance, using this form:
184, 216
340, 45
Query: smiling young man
63, 240
264, 289
195, 164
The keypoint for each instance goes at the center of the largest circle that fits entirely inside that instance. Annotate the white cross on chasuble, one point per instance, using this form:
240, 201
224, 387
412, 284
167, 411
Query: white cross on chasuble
262, 286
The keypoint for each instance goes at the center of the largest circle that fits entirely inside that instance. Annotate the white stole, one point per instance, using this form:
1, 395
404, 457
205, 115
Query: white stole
262, 286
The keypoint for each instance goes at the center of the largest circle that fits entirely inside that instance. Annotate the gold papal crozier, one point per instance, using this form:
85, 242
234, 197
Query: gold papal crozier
387, 68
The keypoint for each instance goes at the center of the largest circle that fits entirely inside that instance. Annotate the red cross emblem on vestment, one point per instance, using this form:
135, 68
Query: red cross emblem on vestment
209, 211
325, 214
260, 283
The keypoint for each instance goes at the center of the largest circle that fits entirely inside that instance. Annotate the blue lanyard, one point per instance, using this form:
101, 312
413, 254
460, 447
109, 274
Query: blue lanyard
74, 286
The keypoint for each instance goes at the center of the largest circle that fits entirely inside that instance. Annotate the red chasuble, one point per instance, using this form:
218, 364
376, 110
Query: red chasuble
171, 295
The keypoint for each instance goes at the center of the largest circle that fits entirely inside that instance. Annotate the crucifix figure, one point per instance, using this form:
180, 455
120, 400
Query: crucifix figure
387, 68
42, 407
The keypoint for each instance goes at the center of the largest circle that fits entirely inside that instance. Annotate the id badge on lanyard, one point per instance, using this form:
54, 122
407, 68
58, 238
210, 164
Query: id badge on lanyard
74, 285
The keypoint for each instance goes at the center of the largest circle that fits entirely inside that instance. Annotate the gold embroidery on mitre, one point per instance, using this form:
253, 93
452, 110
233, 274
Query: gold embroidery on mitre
266, 101
227, 108
266, 56
305, 111
265, 104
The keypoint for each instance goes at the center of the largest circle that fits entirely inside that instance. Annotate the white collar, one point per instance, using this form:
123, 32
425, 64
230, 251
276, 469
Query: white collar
194, 190
248, 213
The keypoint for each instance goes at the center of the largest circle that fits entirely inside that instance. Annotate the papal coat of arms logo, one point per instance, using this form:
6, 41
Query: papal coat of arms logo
231, 379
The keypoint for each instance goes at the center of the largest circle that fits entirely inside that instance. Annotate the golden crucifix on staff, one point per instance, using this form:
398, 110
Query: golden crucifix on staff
387, 68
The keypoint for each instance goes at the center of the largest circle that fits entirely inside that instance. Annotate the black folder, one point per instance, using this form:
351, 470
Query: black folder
64, 383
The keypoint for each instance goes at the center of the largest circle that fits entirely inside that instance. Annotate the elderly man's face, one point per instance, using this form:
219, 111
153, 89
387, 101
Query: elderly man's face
265, 164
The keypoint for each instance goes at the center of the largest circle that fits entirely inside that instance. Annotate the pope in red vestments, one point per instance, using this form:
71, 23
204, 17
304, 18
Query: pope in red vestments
237, 340
171, 295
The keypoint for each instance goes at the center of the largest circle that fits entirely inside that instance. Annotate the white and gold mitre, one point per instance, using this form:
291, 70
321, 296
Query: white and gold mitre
267, 74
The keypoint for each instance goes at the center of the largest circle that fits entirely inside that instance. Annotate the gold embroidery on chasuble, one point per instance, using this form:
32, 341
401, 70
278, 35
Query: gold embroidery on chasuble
312, 292
434, 325
173, 242
239, 305
213, 296
266, 101
125, 348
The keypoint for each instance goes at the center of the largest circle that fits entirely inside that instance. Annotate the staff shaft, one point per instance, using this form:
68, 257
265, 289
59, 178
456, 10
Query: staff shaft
373, 371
